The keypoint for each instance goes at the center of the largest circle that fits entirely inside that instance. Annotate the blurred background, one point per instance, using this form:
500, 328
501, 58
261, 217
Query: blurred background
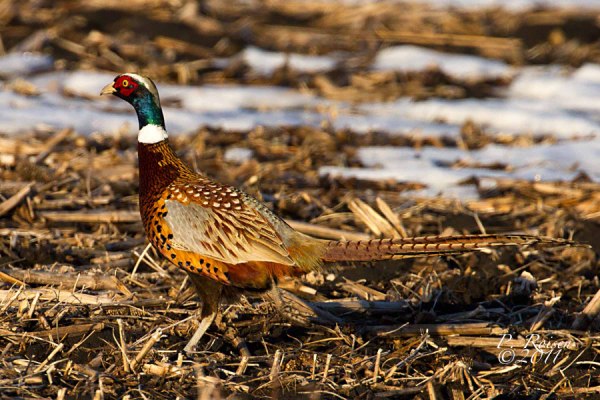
461, 89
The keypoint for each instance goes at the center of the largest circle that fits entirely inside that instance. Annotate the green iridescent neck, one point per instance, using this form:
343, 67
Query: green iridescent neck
148, 111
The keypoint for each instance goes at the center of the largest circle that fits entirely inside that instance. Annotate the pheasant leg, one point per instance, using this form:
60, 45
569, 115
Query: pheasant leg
205, 323
209, 292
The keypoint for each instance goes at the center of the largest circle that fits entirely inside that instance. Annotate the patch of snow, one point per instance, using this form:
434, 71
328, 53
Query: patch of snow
512, 115
408, 58
405, 164
238, 154
19, 113
394, 123
266, 62
429, 165
588, 72
19, 64
555, 88
231, 98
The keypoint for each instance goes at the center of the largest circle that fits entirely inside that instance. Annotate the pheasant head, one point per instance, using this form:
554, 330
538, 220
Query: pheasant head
158, 165
142, 94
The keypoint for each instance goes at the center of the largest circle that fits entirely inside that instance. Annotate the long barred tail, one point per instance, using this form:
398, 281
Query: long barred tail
388, 249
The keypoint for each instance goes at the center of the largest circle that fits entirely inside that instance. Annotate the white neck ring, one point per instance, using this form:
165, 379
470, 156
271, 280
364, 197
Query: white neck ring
152, 134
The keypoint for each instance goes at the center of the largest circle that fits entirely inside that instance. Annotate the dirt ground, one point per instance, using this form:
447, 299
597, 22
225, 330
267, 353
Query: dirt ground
87, 310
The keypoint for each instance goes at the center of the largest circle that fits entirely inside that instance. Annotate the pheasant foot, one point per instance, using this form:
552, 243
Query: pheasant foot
205, 323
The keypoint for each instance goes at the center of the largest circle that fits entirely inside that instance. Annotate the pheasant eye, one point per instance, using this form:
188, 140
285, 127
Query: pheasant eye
125, 83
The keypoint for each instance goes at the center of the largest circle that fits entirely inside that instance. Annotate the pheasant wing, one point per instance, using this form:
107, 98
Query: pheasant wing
219, 222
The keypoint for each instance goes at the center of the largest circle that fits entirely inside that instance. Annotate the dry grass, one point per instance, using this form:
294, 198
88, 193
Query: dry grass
101, 315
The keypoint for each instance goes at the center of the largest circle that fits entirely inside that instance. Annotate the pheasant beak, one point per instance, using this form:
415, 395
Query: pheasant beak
108, 89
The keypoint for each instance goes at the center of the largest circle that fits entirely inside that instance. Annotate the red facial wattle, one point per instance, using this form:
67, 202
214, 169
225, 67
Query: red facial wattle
125, 85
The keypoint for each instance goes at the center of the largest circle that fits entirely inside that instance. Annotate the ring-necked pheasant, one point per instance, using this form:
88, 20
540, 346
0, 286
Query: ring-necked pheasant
225, 239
